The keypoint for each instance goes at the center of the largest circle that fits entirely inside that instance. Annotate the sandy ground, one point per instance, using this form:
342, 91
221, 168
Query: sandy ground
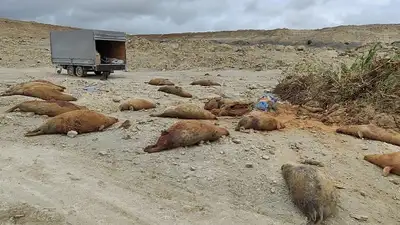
106, 178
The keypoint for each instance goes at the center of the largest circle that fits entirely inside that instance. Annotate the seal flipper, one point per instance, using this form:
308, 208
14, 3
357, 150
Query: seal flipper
12, 109
152, 148
35, 132
360, 134
386, 170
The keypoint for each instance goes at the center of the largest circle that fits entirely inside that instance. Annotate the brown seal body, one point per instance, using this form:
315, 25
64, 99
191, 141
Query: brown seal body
41, 91
205, 83
187, 133
390, 162
234, 109
81, 121
160, 82
216, 103
312, 191
371, 132
18, 89
46, 82
187, 111
49, 107
136, 104
175, 90
259, 121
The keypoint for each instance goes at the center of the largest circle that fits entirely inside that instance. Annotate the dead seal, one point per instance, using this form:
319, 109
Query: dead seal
81, 121
175, 90
370, 131
41, 91
186, 111
49, 107
187, 133
390, 162
18, 89
205, 83
234, 109
259, 121
216, 103
136, 104
160, 82
312, 191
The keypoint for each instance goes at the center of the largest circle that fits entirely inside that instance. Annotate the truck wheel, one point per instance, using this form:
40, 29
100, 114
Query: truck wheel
71, 70
105, 75
59, 70
80, 72
97, 72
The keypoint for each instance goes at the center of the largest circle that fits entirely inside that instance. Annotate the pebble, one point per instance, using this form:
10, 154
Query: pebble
364, 147
360, 217
117, 99
103, 153
265, 157
72, 133
192, 168
236, 141
272, 190
271, 152
249, 165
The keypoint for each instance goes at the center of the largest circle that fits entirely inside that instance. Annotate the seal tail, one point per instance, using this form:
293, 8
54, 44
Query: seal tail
11, 109
35, 132
69, 98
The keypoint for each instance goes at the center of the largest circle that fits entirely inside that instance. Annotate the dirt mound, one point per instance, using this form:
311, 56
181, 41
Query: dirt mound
367, 90
26, 44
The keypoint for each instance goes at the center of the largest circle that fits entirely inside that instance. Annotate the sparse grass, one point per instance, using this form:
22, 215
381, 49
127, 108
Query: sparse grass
370, 80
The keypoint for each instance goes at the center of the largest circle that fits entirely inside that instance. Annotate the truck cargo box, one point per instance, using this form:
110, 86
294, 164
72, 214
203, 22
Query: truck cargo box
81, 51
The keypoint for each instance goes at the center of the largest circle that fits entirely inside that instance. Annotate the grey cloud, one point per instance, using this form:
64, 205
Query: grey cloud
167, 16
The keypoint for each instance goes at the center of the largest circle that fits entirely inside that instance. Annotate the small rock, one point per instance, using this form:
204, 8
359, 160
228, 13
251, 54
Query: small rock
272, 190
300, 48
363, 193
236, 141
192, 168
252, 87
206, 74
222, 152
362, 218
249, 165
117, 99
72, 133
183, 153
364, 147
294, 146
271, 152
103, 153
265, 157
127, 137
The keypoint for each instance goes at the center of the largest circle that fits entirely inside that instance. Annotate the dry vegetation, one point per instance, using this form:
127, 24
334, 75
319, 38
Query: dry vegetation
366, 90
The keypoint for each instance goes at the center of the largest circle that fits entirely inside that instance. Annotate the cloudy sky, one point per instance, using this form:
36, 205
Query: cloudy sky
169, 16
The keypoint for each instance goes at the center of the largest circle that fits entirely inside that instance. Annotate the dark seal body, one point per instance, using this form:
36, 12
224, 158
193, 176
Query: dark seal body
312, 191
